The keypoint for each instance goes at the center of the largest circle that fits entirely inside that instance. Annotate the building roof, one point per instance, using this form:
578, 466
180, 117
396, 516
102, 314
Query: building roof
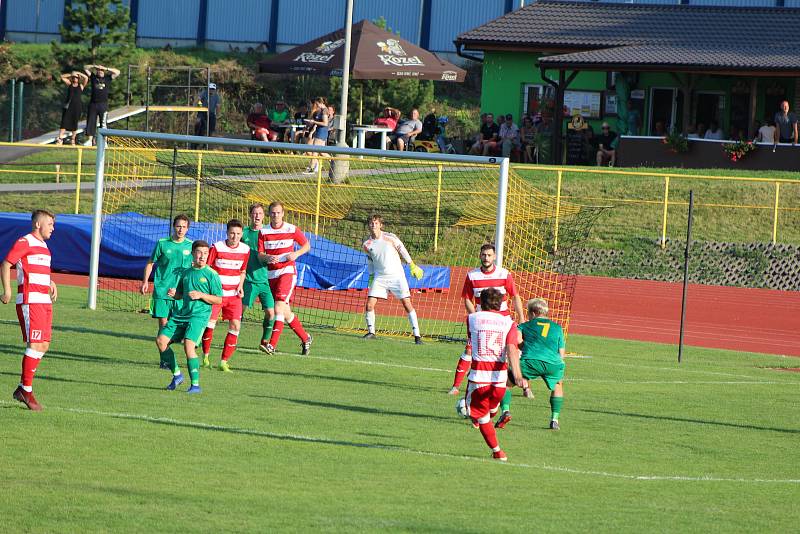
565, 25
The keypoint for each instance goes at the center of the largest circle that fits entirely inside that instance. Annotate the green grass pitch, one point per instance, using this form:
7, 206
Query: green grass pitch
360, 436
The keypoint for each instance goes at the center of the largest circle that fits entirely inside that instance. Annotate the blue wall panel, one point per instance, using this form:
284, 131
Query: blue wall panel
737, 3
401, 16
303, 20
173, 19
238, 20
22, 15
449, 20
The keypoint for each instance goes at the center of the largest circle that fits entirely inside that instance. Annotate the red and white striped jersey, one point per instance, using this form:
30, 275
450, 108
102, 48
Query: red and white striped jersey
477, 280
229, 263
31, 257
280, 242
490, 332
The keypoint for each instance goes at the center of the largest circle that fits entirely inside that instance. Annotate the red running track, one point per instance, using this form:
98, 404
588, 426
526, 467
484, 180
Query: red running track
735, 318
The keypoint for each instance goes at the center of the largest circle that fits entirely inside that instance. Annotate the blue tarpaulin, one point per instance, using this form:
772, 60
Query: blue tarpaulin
128, 241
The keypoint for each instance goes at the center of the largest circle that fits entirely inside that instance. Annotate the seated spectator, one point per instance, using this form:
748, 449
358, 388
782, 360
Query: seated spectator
299, 118
691, 132
659, 129
406, 131
260, 124
487, 138
279, 115
388, 119
736, 134
527, 136
606, 143
714, 131
766, 134
509, 136
701, 130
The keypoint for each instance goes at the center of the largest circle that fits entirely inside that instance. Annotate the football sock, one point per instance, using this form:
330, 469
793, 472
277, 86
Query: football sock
461, 372
412, 318
298, 329
230, 344
489, 435
172, 362
370, 317
30, 361
505, 404
266, 327
277, 328
208, 336
194, 370
555, 407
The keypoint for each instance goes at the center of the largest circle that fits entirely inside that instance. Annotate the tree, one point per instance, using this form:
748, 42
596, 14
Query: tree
97, 24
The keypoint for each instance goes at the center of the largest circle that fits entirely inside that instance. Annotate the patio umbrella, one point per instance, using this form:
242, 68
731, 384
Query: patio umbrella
375, 54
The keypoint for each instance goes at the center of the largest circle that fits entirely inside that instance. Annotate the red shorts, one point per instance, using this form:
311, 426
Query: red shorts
483, 400
231, 309
272, 136
282, 287
36, 322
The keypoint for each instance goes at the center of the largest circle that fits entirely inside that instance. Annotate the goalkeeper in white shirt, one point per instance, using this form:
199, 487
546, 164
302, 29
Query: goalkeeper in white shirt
384, 253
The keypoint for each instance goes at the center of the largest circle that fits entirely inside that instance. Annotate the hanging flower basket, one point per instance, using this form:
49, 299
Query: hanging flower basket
738, 150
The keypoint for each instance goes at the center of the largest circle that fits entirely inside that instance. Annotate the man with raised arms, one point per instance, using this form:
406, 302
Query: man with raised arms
229, 259
197, 291
36, 293
384, 252
276, 244
170, 257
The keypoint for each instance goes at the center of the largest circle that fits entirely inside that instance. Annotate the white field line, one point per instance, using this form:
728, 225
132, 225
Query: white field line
330, 441
750, 380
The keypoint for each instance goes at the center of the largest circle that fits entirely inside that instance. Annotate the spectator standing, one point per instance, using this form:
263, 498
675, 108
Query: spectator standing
100, 80
766, 134
319, 125
786, 124
714, 131
72, 107
406, 131
634, 119
211, 100
527, 136
606, 143
487, 138
509, 136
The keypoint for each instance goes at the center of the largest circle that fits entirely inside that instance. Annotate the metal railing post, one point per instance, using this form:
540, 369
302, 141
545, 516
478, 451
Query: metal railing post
502, 204
319, 194
438, 206
13, 104
197, 186
78, 180
664, 217
775, 213
558, 211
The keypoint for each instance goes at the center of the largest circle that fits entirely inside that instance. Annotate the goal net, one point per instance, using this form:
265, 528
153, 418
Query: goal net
442, 207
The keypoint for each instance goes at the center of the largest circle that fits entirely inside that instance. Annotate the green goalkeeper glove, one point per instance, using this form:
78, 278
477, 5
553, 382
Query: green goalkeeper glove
416, 272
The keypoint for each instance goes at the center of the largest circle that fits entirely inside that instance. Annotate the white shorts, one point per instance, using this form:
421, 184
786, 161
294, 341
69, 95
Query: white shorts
397, 285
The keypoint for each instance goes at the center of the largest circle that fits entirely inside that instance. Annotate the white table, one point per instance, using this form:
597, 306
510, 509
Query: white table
293, 127
361, 135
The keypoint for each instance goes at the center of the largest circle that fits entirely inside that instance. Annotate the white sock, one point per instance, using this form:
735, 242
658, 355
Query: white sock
370, 317
412, 318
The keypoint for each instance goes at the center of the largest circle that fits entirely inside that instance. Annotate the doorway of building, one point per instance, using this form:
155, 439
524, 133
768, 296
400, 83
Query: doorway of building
710, 107
740, 126
666, 108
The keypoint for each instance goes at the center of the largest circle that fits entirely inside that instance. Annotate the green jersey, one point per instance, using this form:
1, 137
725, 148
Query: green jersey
542, 339
170, 259
205, 280
256, 271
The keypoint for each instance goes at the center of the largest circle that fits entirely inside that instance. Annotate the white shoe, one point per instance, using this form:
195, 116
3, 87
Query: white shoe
309, 170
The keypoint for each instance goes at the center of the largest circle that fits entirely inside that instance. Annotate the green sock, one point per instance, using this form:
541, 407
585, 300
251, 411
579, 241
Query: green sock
164, 357
555, 407
168, 357
505, 404
194, 370
266, 326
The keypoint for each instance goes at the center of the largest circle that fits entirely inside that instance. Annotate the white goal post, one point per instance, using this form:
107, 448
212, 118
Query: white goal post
103, 148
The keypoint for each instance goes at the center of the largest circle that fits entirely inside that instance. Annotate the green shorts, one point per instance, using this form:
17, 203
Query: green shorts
177, 330
551, 373
260, 290
161, 308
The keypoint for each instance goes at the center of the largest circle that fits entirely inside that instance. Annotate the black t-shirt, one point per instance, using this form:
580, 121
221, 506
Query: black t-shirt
100, 88
490, 131
299, 116
606, 140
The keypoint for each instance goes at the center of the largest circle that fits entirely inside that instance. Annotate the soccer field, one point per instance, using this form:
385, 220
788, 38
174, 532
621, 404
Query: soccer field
360, 436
